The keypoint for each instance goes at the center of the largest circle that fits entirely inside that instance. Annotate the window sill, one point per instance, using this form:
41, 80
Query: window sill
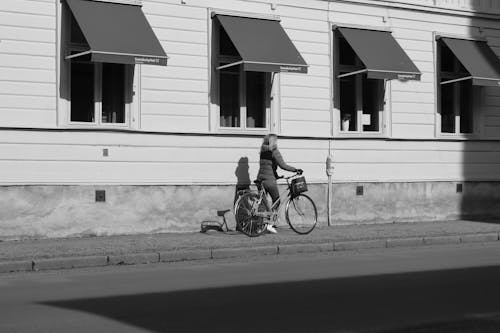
96, 126
256, 132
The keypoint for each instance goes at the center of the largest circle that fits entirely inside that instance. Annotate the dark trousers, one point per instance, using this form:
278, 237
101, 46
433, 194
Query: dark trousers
272, 188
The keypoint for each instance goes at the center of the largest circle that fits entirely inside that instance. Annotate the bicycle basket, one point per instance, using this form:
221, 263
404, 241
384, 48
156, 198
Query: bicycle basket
298, 185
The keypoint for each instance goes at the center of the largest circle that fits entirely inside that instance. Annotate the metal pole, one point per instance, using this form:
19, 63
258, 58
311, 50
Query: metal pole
329, 171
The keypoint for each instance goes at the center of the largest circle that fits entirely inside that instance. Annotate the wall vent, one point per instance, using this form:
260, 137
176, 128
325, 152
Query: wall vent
100, 196
359, 190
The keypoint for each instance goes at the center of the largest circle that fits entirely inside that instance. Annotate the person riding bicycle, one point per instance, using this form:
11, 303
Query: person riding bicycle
270, 159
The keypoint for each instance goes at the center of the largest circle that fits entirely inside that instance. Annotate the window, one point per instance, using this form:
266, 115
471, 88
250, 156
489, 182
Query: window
99, 93
243, 96
360, 99
455, 98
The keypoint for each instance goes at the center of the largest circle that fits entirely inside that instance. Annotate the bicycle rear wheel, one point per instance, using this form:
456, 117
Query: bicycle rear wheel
245, 214
301, 214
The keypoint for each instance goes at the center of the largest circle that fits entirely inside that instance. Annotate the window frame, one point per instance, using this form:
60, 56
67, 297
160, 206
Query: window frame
477, 95
131, 82
98, 87
272, 101
337, 68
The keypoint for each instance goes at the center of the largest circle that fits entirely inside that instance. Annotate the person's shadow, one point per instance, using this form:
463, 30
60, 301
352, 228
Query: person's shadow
243, 177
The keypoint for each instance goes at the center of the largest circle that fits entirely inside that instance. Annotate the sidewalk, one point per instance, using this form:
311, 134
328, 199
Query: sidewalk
45, 254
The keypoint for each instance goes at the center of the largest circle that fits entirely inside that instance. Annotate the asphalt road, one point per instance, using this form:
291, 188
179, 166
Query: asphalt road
426, 289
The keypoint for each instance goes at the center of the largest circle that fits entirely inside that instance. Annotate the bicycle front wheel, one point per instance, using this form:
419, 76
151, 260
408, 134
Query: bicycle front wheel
301, 214
245, 214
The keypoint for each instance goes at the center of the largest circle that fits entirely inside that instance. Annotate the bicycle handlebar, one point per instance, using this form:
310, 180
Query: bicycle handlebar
298, 173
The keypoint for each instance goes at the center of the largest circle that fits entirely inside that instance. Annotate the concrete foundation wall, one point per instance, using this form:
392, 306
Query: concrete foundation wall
71, 211
415, 201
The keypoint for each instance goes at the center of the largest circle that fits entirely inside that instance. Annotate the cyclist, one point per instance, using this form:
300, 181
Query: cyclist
270, 159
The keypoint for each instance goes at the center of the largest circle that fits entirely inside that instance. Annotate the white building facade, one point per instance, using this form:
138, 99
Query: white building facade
132, 116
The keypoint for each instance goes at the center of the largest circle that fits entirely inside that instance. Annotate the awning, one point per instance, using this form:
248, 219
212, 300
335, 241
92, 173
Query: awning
478, 58
117, 33
263, 45
381, 55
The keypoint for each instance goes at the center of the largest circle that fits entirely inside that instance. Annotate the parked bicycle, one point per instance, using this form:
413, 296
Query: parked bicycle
253, 212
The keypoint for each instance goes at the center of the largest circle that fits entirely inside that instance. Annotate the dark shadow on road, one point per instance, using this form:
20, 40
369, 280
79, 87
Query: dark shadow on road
434, 301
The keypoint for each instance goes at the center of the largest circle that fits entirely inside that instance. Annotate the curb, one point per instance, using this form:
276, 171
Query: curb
404, 242
237, 252
305, 248
70, 262
441, 240
185, 255
133, 258
360, 245
474, 238
16, 266
244, 252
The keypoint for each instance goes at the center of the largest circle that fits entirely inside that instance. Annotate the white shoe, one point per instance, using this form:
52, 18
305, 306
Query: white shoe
270, 228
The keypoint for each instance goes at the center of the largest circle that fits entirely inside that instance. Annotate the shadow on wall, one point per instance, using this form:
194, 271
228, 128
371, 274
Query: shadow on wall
480, 189
242, 177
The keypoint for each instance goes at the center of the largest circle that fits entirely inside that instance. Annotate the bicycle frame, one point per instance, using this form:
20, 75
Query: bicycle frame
255, 212
273, 210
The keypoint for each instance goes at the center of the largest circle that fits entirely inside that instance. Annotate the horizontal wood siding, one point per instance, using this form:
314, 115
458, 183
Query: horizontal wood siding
176, 99
28, 63
52, 157
491, 108
305, 99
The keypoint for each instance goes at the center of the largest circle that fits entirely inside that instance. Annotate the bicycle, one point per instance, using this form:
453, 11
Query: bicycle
252, 211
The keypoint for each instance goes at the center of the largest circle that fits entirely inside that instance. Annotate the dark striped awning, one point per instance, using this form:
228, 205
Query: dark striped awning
380, 53
478, 59
116, 33
262, 44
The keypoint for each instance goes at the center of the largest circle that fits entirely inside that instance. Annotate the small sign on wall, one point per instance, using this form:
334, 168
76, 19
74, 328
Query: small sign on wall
367, 119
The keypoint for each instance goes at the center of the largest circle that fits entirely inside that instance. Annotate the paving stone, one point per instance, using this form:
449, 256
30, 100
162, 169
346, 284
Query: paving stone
244, 252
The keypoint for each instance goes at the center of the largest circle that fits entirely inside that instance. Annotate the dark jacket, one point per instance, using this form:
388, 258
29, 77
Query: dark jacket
269, 162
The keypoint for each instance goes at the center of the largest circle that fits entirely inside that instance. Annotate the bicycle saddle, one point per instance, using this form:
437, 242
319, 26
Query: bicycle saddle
222, 212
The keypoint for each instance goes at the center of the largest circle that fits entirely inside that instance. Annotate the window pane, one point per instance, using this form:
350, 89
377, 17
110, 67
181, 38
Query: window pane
448, 108
226, 46
113, 93
372, 104
347, 91
466, 106
229, 97
347, 56
82, 92
256, 99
